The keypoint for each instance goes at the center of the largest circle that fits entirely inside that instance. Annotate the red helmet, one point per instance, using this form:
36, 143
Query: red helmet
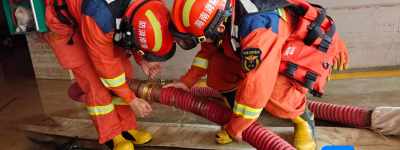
196, 20
149, 20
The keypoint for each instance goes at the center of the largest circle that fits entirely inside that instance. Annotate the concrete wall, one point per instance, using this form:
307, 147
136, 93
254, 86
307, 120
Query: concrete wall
369, 28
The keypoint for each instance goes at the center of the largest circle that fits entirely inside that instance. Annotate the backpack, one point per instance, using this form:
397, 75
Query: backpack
309, 51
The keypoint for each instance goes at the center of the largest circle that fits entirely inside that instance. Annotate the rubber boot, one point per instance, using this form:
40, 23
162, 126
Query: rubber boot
229, 97
137, 137
304, 136
119, 143
222, 137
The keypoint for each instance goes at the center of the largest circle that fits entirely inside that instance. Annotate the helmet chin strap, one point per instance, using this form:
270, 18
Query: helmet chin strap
225, 14
217, 39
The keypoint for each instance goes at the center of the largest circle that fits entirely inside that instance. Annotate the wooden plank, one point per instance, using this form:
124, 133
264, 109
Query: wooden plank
202, 136
164, 134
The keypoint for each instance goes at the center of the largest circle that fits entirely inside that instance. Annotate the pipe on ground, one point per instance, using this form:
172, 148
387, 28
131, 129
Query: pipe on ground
352, 116
256, 134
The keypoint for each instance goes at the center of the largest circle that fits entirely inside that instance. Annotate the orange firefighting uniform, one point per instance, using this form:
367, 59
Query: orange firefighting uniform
98, 67
261, 87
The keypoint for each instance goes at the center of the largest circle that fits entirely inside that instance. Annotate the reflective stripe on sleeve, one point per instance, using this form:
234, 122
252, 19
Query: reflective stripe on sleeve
118, 101
114, 82
200, 62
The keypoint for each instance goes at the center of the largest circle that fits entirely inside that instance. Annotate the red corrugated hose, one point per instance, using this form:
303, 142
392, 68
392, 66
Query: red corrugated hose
256, 135
205, 91
337, 113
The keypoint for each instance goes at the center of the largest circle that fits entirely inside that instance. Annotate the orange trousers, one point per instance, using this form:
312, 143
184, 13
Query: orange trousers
287, 100
117, 115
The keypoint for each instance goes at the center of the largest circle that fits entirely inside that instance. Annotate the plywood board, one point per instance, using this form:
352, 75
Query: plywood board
202, 136
164, 134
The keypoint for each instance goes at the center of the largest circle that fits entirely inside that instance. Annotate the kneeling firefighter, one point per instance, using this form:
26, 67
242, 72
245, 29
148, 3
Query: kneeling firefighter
95, 38
259, 54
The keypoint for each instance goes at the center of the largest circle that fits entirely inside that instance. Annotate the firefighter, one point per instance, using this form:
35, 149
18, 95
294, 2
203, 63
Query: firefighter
95, 39
240, 54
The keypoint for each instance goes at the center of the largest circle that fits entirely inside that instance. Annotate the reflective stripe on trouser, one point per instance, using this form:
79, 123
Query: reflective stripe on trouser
76, 58
246, 112
115, 82
118, 101
100, 110
119, 118
200, 62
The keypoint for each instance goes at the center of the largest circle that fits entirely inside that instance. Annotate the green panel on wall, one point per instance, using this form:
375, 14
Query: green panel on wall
39, 9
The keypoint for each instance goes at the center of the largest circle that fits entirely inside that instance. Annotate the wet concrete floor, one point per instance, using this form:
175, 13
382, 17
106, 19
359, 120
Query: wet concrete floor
25, 100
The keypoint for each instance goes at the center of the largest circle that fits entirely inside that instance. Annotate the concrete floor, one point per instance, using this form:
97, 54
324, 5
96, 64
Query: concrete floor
25, 100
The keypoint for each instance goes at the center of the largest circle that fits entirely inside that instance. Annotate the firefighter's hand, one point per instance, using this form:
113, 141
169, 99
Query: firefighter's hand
343, 59
329, 76
151, 69
140, 107
178, 85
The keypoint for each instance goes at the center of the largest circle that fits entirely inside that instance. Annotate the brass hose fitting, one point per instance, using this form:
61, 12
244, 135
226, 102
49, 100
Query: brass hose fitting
148, 90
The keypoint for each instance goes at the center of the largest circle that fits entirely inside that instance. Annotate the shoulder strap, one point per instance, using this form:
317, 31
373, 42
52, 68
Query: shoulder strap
64, 19
70, 42
315, 31
112, 13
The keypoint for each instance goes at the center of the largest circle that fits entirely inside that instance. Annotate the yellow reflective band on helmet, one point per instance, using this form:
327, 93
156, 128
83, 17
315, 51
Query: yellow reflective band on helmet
246, 112
100, 110
114, 82
282, 13
200, 62
186, 12
157, 30
118, 101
